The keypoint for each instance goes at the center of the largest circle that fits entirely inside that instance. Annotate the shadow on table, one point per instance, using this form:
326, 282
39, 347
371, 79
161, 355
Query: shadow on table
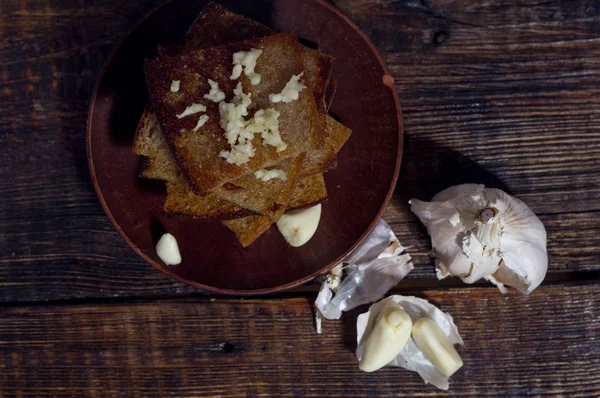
427, 168
349, 327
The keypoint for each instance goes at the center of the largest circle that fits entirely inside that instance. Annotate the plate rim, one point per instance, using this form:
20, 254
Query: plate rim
388, 81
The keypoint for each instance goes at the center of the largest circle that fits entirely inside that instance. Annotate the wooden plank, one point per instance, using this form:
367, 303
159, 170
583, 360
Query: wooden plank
55, 240
508, 98
505, 95
514, 345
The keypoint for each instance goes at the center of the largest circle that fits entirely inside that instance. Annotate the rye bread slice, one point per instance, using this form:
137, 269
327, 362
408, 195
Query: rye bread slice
217, 25
182, 201
310, 191
158, 162
339, 133
268, 198
248, 229
197, 153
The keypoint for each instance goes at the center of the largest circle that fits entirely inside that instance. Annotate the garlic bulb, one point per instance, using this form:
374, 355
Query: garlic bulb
478, 232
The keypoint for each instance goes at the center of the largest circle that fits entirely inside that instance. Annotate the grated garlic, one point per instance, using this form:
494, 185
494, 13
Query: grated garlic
290, 92
267, 175
239, 154
266, 122
190, 110
246, 61
201, 121
215, 94
240, 132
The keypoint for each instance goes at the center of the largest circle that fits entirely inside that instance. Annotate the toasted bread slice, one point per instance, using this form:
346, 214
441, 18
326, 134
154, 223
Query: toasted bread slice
180, 198
248, 229
158, 162
310, 191
315, 66
182, 201
339, 133
268, 198
217, 25
197, 153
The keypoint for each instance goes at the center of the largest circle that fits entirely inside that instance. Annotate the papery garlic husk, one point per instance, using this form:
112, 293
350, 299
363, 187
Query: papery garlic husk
411, 357
372, 269
478, 232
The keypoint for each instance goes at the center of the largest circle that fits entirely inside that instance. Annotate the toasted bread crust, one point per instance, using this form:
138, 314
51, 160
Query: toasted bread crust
330, 93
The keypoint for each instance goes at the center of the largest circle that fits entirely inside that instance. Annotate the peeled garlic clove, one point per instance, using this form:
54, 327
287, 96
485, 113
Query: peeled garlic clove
168, 250
410, 357
432, 341
297, 227
387, 338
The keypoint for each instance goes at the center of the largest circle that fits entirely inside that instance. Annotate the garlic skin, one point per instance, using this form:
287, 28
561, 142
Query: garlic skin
371, 270
484, 233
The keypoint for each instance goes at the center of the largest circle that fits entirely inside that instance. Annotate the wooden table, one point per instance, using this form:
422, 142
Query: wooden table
502, 93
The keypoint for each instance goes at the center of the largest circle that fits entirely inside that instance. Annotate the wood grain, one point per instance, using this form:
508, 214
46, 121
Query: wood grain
502, 93
543, 344
509, 97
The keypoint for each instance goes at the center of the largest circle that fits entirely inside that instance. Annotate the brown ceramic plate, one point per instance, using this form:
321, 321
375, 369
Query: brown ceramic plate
359, 189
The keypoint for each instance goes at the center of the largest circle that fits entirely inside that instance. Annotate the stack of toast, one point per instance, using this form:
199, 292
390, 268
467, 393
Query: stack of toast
181, 136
